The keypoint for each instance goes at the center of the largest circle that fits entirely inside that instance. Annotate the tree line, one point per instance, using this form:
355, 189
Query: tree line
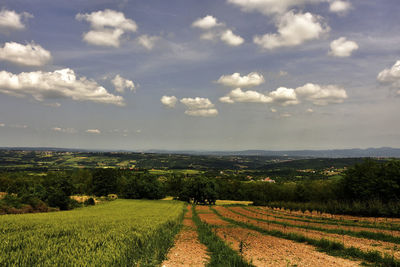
367, 188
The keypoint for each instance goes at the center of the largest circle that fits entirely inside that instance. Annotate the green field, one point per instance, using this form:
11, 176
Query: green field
118, 233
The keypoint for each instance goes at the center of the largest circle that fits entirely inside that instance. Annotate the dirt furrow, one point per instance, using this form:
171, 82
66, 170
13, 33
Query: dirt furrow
339, 217
187, 250
348, 241
327, 225
264, 250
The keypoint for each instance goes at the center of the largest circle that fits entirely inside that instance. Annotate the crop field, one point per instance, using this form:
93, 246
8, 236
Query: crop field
260, 236
117, 233
160, 233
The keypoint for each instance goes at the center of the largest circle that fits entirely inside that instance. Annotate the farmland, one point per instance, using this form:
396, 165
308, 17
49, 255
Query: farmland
118, 233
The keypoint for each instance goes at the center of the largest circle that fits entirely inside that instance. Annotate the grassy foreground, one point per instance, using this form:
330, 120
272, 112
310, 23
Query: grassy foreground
119, 233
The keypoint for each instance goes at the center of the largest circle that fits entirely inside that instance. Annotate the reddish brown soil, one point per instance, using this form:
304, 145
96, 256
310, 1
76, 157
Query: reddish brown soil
187, 251
263, 250
361, 243
292, 220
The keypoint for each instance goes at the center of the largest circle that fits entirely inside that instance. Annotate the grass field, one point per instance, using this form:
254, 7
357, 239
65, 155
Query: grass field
118, 233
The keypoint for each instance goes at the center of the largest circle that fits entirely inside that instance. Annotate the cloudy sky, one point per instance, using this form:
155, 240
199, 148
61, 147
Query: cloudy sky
209, 75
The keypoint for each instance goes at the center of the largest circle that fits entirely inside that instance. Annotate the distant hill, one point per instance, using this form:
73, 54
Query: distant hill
335, 153
386, 152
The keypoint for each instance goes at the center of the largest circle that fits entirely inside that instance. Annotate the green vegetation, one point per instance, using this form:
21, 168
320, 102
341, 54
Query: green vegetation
221, 253
118, 233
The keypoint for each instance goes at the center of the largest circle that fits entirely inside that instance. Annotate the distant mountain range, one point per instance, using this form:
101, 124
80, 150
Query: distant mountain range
334, 153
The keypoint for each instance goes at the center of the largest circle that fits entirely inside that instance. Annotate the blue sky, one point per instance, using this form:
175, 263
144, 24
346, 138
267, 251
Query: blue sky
209, 75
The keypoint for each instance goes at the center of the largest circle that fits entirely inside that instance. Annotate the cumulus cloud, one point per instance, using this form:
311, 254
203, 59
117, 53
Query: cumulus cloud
197, 103
200, 107
148, 42
64, 130
120, 84
30, 54
107, 27
105, 37
391, 76
11, 20
321, 95
169, 101
231, 39
339, 6
318, 95
270, 7
235, 80
281, 96
93, 131
284, 96
293, 30
206, 23
342, 47
215, 30
237, 95
212, 112
62, 83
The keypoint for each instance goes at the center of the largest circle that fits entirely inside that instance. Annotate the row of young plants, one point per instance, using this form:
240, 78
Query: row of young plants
361, 234
330, 247
388, 225
221, 253
371, 208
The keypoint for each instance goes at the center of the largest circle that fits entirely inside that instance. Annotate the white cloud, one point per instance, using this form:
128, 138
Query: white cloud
293, 30
284, 96
318, 95
53, 105
30, 54
339, 6
269, 7
206, 23
235, 80
105, 37
321, 95
58, 84
197, 103
120, 84
107, 27
108, 18
93, 131
342, 48
231, 39
169, 101
11, 20
64, 130
212, 112
147, 41
215, 30
199, 107
237, 95
391, 76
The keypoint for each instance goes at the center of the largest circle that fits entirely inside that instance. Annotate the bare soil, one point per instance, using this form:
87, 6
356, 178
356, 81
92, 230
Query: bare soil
187, 250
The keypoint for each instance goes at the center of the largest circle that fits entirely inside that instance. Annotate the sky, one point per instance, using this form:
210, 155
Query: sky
200, 75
